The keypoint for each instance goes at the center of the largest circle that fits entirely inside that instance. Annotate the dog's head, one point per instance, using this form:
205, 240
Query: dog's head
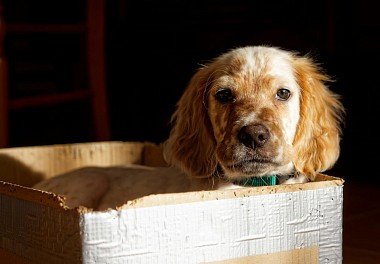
256, 111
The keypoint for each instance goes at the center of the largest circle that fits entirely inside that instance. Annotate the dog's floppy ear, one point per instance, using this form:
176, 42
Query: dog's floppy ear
316, 142
191, 144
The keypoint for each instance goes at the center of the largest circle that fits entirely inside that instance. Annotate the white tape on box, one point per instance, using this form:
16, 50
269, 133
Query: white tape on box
217, 230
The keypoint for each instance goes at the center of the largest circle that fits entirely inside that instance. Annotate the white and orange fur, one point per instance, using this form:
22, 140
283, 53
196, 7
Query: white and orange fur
218, 139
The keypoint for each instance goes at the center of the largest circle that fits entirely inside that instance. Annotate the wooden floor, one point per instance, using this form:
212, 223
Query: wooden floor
361, 223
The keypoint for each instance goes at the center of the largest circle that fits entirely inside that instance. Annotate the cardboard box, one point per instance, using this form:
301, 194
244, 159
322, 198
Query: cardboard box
300, 223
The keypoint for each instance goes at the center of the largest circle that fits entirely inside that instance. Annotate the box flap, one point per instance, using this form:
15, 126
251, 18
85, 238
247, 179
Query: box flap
322, 181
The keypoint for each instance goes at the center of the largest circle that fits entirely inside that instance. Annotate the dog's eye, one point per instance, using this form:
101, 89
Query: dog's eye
283, 94
224, 95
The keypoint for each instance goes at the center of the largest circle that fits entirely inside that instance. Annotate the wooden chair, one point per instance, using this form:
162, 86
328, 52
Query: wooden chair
93, 28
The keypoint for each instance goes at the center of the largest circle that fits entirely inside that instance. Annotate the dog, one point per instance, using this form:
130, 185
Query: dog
251, 112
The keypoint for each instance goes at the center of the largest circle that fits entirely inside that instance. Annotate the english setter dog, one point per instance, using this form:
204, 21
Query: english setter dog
251, 112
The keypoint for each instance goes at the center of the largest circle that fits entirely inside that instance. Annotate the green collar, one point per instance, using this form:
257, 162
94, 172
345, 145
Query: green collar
258, 181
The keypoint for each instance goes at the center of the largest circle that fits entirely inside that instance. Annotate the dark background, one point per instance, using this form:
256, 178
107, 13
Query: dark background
154, 47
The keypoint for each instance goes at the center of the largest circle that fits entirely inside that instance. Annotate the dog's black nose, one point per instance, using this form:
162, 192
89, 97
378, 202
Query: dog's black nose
254, 136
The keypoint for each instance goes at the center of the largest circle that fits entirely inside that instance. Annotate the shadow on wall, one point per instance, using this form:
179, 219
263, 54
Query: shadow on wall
14, 171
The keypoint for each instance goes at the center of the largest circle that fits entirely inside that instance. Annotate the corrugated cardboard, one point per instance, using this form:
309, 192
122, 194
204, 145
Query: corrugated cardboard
300, 223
